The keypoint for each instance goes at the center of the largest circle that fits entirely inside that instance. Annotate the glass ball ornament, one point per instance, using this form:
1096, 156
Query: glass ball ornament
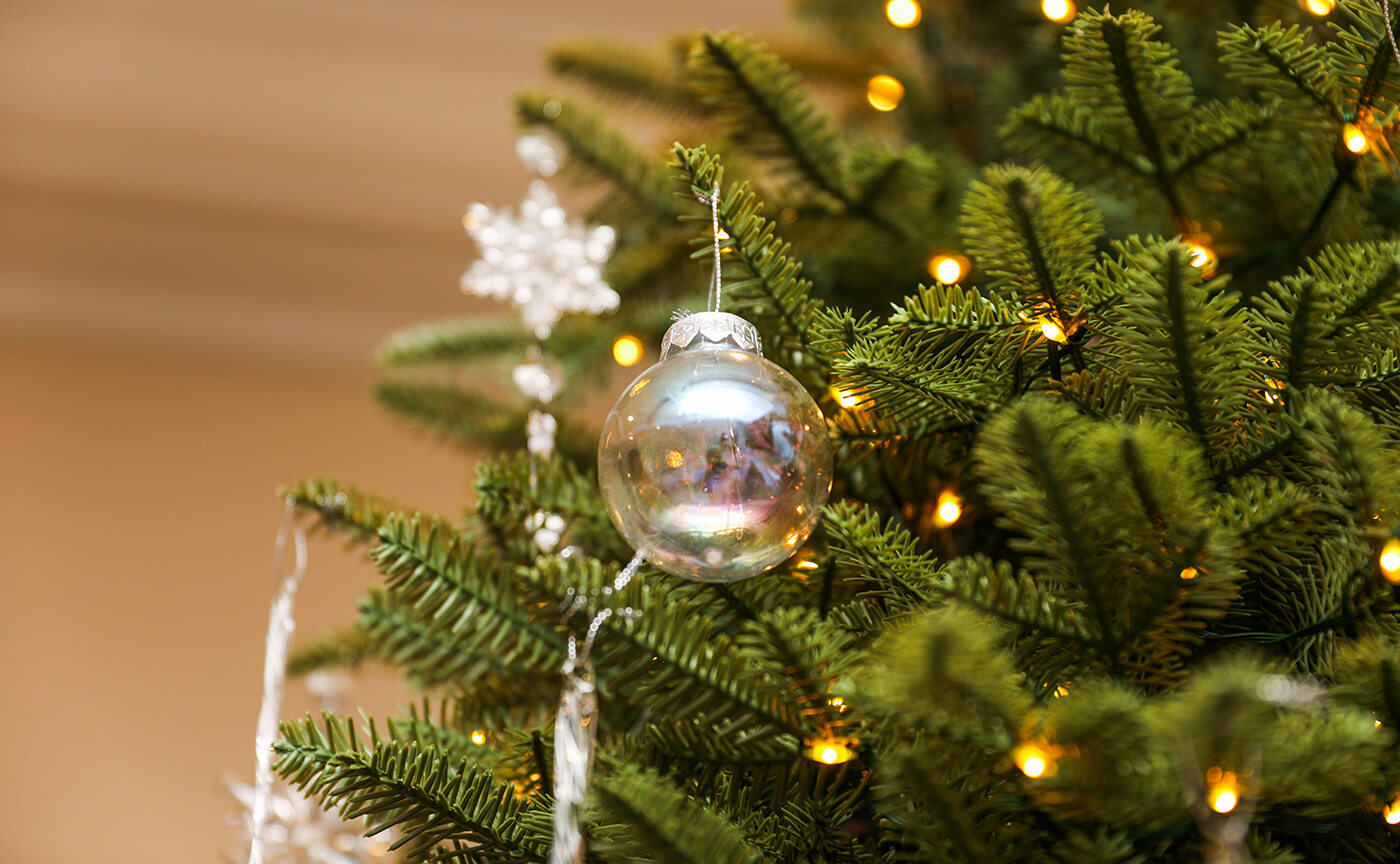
714, 463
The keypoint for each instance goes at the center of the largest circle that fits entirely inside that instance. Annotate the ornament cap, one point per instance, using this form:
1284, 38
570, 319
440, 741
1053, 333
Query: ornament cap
711, 328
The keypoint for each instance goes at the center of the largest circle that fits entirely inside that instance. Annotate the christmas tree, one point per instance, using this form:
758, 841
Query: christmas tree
1102, 308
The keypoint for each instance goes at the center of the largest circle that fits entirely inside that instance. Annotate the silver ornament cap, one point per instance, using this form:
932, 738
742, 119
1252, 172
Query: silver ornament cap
711, 328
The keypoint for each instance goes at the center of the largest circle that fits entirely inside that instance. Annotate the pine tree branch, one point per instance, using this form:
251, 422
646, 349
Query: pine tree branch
429, 799
457, 341
758, 98
341, 509
1182, 350
659, 823
343, 648
621, 71
669, 659
601, 148
1279, 54
1054, 485
1051, 116
1116, 40
461, 592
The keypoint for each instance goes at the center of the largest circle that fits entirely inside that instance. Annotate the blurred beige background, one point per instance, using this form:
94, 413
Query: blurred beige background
210, 212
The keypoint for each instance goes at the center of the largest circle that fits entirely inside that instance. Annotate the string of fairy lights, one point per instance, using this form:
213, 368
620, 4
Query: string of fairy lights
1222, 789
885, 92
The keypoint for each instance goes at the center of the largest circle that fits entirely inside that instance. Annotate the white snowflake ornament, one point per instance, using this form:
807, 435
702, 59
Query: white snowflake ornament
300, 832
538, 380
548, 528
539, 262
538, 154
539, 433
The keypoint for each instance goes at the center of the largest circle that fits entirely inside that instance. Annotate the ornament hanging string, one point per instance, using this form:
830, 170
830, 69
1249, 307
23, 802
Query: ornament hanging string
1390, 29
716, 284
280, 625
576, 724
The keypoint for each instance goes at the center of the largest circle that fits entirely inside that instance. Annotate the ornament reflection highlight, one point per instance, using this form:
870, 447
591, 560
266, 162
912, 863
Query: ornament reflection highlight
715, 462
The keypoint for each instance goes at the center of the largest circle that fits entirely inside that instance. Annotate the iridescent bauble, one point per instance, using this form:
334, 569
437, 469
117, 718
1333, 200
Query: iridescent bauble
715, 462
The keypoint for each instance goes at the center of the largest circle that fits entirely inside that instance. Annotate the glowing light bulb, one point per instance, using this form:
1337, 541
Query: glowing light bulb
1390, 560
838, 703
903, 13
1224, 801
1189, 573
478, 737
948, 269
1223, 794
949, 509
1354, 139
830, 751
845, 397
1202, 257
1058, 11
883, 92
1392, 812
1033, 761
1052, 330
1320, 8
627, 350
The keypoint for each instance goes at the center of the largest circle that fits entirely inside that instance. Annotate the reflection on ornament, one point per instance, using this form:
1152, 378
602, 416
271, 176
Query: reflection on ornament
883, 92
539, 262
903, 13
714, 463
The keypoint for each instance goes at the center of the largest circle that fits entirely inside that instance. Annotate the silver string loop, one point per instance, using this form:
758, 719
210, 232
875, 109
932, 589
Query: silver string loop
716, 284
1390, 30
